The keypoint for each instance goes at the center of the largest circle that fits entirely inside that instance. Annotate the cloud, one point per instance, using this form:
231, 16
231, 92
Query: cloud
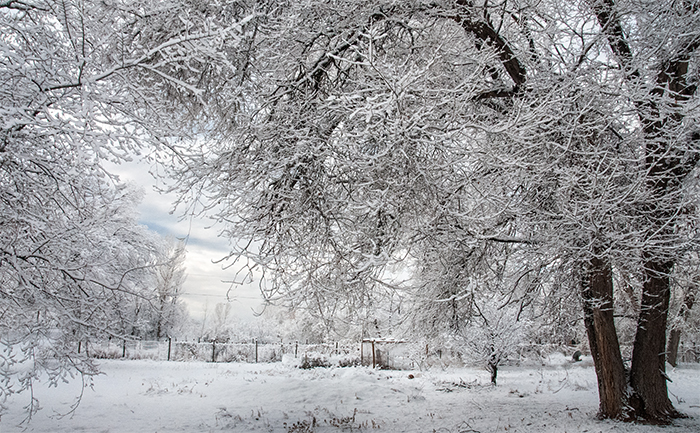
207, 283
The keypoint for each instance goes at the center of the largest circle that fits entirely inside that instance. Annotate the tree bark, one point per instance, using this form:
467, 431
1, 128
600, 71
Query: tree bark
674, 341
493, 369
675, 336
648, 374
597, 295
493, 366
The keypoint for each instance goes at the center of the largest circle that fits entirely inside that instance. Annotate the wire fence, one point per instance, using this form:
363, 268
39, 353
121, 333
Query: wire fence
385, 354
211, 351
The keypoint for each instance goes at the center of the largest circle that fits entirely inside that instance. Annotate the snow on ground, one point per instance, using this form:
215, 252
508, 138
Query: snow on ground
157, 396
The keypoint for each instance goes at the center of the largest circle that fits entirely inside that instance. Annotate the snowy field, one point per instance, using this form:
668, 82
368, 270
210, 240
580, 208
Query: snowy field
156, 396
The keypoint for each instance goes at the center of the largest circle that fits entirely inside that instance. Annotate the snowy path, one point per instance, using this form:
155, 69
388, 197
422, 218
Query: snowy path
149, 396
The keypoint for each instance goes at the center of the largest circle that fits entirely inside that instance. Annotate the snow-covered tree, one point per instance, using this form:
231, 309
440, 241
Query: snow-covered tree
335, 146
169, 311
73, 255
683, 310
565, 127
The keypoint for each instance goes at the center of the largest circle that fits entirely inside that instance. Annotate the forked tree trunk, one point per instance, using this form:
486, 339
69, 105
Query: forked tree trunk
648, 374
602, 338
659, 112
675, 336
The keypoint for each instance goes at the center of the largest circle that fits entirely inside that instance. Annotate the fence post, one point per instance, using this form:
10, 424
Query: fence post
362, 351
170, 345
213, 351
336, 347
124, 348
374, 359
256, 351
296, 349
79, 344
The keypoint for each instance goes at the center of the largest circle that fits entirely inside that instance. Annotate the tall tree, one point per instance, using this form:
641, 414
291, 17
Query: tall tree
72, 251
659, 91
567, 128
170, 275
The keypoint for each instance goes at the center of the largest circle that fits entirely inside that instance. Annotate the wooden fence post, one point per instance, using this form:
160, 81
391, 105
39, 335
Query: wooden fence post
124, 348
296, 349
374, 359
256, 351
170, 345
213, 351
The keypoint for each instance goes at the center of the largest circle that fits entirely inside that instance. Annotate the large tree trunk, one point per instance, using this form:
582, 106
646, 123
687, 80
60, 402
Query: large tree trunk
675, 335
660, 113
648, 374
602, 338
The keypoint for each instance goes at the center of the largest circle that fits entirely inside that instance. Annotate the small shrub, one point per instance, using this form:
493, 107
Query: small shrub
315, 360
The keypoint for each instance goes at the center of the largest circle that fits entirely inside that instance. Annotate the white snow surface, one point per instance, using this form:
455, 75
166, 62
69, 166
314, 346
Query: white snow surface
158, 396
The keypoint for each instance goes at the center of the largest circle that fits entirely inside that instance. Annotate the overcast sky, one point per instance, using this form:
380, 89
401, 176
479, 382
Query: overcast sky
205, 285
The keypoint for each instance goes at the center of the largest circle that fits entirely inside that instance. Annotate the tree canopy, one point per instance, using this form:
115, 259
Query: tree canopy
423, 132
479, 151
